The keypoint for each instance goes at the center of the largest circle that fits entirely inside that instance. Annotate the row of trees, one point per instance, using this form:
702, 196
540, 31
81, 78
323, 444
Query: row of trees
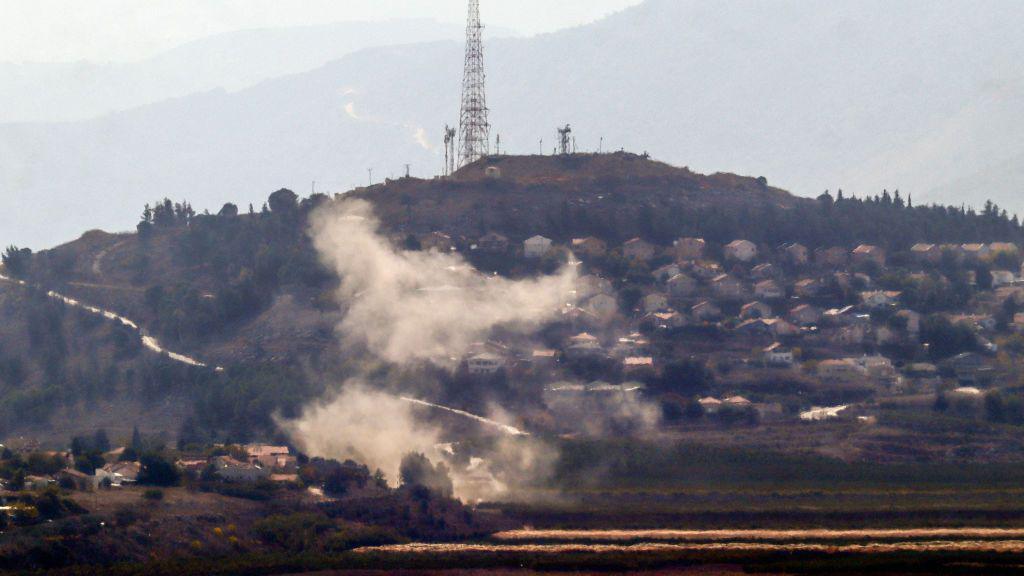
251, 259
883, 220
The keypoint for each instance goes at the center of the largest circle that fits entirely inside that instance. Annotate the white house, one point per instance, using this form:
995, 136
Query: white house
840, 369
754, 310
765, 271
681, 286
583, 346
778, 355
666, 320
690, 249
1002, 278
119, 473
975, 252
232, 470
741, 250
705, 270
879, 298
924, 252
272, 457
869, 253
705, 311
710, 405
589, 246
727, 287
876, 366
797, 254
779, 328
737, 401
805, 315
769, 290
536, 247
807, 288
638, 249
484, 364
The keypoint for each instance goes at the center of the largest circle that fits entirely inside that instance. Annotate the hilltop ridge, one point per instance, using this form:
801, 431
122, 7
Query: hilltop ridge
621, 195
608, 195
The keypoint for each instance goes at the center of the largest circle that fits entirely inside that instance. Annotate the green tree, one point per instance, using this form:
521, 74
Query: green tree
100, 441
18, 480
283, 201
157, 471
136, 444
417, 470
688, 377
995, 407
16, 260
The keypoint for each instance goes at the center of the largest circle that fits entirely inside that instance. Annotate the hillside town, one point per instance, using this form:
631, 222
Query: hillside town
839, 329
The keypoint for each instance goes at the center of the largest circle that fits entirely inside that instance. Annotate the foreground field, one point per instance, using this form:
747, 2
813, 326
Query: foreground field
763, 525
596, 536
694, 571
941, 546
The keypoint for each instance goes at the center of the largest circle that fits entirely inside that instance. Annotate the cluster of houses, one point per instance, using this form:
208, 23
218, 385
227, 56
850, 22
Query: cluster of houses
262, 462
777, 301
273, 463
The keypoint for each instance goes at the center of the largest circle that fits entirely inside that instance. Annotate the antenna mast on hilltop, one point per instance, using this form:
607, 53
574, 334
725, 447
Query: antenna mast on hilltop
474, 130
566, 144
449, 150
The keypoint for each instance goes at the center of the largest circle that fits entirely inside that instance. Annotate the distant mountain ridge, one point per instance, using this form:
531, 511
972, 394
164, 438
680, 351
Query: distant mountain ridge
861, 96
75, 91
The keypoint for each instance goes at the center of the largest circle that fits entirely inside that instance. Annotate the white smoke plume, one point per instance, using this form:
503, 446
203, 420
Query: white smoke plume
406, 305
602, 410
368, 426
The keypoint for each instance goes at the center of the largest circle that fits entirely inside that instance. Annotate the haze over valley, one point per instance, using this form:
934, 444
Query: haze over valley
924, 97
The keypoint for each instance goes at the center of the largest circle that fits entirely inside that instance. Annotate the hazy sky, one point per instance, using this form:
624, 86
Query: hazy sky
124, 30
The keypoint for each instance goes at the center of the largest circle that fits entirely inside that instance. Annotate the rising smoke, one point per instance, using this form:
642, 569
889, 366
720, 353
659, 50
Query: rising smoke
368, 426
408, 307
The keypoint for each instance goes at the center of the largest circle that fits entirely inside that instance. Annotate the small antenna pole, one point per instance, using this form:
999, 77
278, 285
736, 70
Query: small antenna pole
541, 146
566, 142
406, 170
449, 150
600, 147
370, 170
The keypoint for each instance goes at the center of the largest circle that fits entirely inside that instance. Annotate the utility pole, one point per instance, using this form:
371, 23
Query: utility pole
406, 170
449, 150
370, 170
